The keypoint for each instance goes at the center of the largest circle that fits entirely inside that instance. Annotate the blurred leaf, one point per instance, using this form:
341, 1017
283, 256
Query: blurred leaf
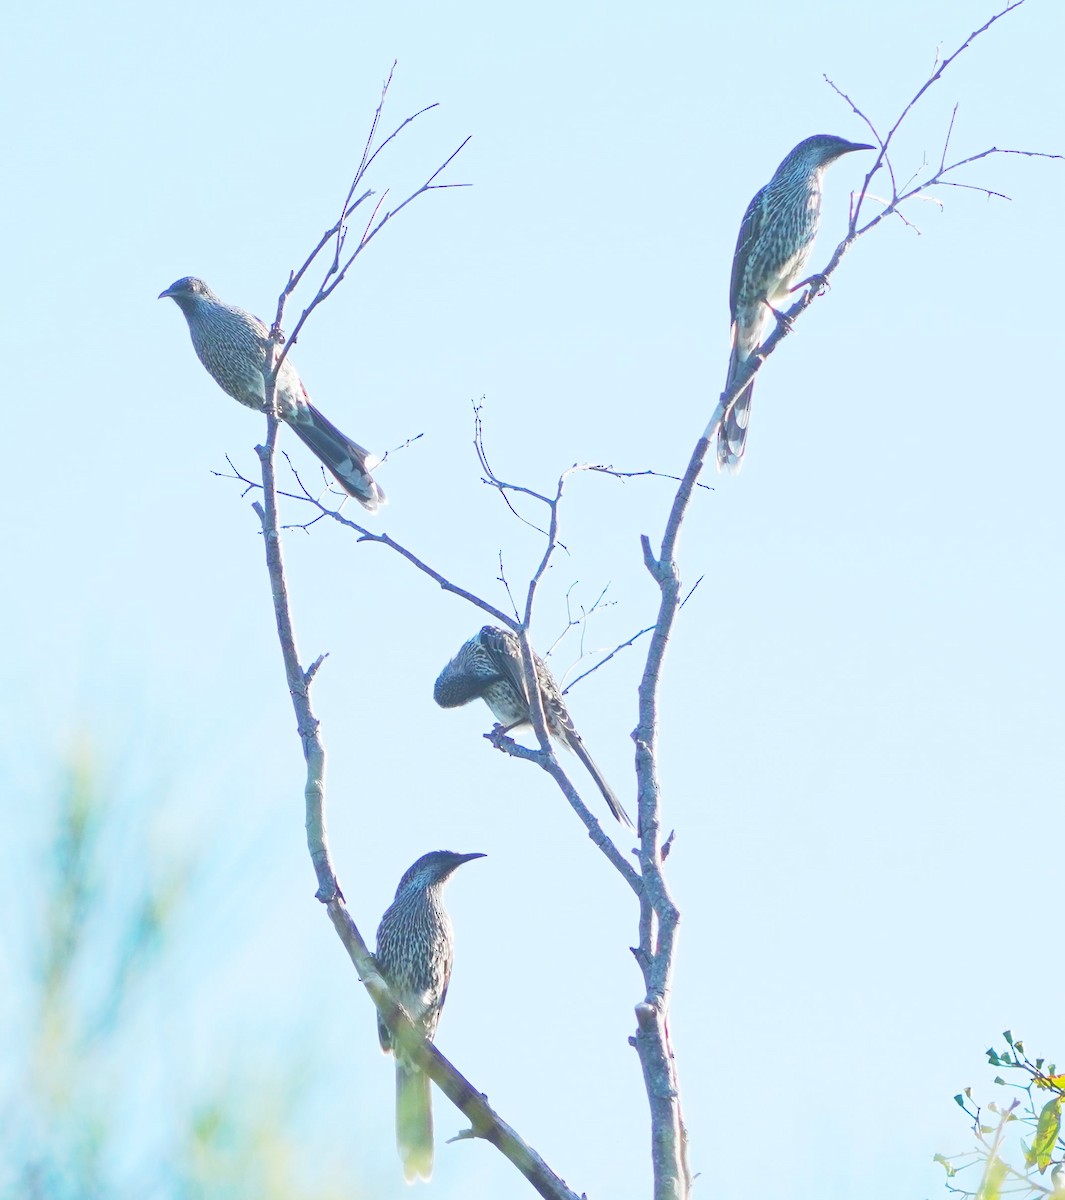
1046, 1133
947, 1165
103, 945
1050, 1081
991, 1185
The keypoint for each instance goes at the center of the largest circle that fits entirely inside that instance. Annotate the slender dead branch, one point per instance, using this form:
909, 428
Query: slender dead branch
337, 272
484, 1122
659, 915
606, 658
603, 469
298, 680
899, 197
580, 623
442, 581
338, 266
545, 759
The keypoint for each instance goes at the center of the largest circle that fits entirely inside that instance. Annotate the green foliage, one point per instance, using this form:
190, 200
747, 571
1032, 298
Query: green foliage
1046, 1135
80, 1119
1006, 1162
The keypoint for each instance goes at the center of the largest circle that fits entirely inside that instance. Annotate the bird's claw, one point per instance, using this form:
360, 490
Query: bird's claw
782, 318
817, 283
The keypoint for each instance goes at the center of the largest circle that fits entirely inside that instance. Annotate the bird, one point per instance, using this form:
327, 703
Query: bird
415, 950
231, 344
774, 245
488, 667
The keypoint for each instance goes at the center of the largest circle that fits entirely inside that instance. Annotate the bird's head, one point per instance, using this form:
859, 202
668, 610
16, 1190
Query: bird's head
824, 148
190, 289
434, 868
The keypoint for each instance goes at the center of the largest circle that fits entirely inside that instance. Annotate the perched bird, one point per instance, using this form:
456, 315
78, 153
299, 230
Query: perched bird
231, 344
488, 667
415, 949
776, 238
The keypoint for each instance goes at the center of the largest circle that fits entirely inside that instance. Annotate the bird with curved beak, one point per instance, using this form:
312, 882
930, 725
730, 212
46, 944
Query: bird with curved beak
415, 951
774, 245
231, 344
488, 667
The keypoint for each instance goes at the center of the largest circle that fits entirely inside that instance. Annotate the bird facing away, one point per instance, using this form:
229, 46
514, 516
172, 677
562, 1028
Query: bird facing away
231, 344
776, 239
415, 949
488, 667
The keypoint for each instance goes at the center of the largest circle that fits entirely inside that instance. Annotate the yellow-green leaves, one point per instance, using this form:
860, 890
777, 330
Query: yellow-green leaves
1046, 1135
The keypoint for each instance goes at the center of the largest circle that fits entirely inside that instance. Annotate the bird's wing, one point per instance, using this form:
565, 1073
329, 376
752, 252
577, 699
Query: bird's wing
504, 650
750, 230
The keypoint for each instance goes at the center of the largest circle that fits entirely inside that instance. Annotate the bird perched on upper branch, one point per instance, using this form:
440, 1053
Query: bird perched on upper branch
231, 344
776, 237
488, 667
415, 950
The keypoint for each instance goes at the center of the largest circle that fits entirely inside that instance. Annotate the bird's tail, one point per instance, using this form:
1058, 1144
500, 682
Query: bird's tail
732, 429
577, 746
347, 460
414, 1122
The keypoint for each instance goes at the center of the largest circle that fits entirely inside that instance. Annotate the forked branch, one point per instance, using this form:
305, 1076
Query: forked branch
485, 1123
891, 207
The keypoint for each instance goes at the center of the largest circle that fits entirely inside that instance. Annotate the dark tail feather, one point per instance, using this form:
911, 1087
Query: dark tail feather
732, 434
608, 792
347, 460
414, 1122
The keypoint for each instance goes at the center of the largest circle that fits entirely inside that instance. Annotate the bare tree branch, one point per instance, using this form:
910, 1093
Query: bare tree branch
658, 917
337, 270
784, 326
484, 1122
298, 680
603, 661
545, 759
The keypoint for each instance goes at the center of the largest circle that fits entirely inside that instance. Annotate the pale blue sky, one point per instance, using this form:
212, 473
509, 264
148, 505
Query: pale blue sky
862, 751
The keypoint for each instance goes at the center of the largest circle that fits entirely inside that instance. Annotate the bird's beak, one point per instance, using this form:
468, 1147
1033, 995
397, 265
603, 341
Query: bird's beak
163, 295
857, 146
470, 857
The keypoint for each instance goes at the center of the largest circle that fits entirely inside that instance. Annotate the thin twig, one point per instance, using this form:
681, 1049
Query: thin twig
544, 758
336, 270
603, 661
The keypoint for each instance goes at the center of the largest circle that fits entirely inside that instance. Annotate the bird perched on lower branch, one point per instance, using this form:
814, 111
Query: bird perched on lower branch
776, 238
415, 950
231, 344
488, 667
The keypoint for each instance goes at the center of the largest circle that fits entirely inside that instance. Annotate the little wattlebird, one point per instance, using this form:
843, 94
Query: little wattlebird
776, 238
231, 344
415, 950
488, 667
